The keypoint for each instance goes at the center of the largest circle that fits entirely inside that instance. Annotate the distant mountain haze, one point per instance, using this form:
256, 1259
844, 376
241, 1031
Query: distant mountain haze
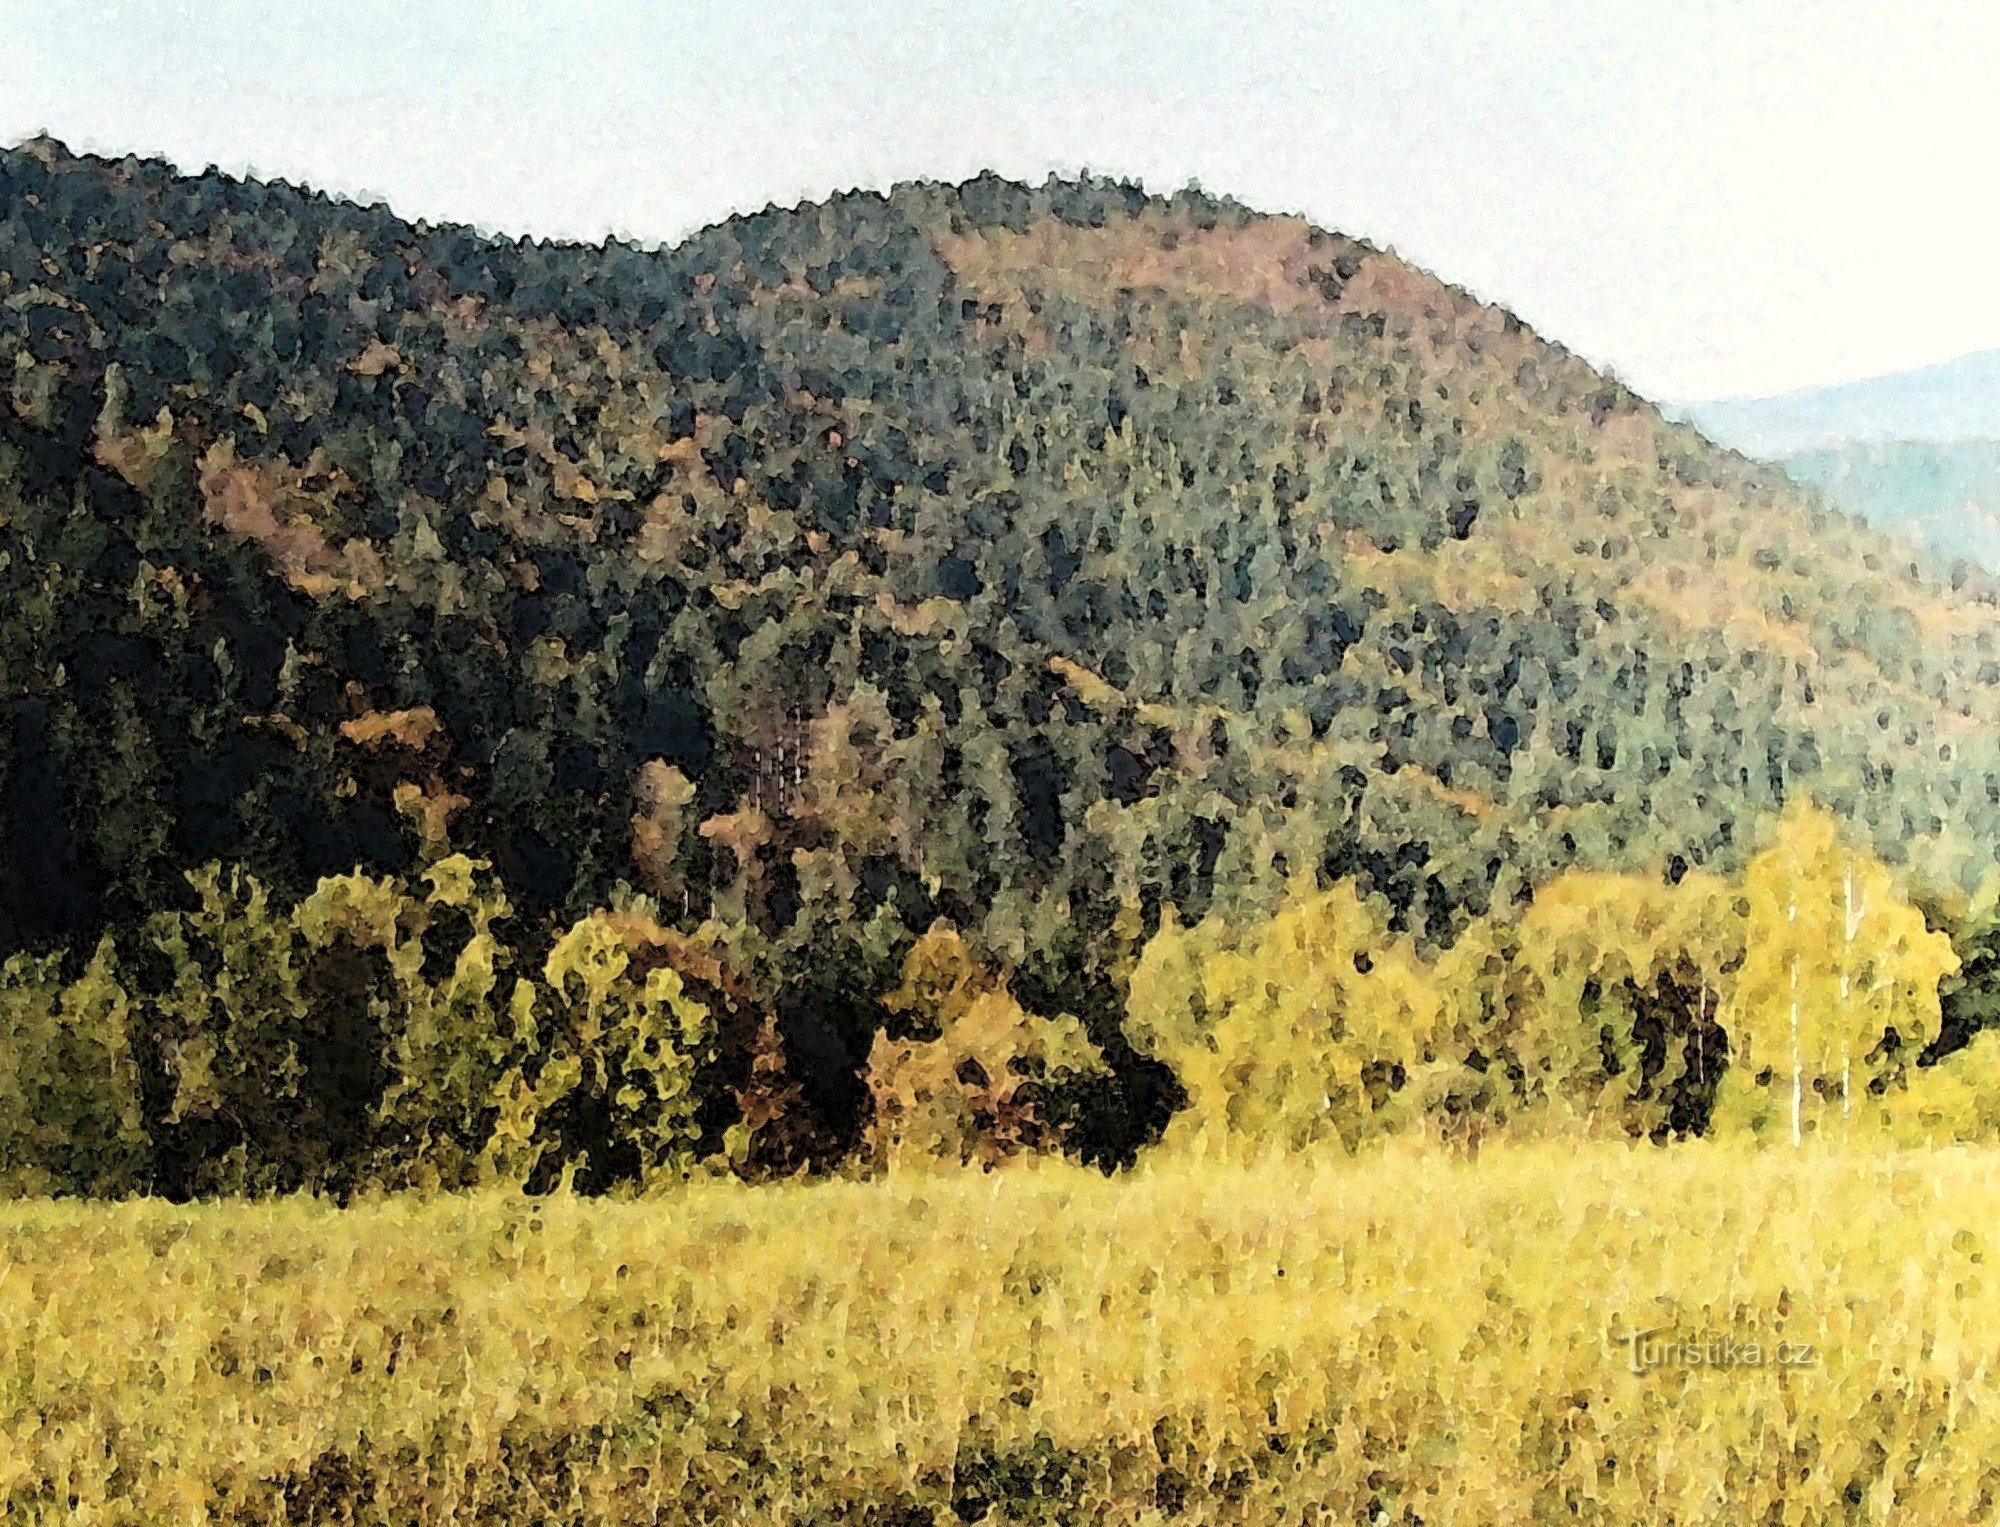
1953, 401
1946, 494
1916, 452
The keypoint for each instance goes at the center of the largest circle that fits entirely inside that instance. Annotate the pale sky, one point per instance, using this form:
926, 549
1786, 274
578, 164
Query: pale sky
1712, 198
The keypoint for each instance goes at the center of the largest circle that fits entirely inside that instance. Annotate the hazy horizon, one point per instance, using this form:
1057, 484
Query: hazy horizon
1714, 200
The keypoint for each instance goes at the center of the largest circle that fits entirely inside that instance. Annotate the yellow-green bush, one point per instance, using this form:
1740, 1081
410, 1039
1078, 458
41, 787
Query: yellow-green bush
611, 1045
1957, 1100
453, 1037
1586, 1018
70, 1112
968, 1082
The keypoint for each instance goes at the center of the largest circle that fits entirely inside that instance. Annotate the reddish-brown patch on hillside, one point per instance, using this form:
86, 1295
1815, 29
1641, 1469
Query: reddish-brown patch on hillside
268, 503
377, 359
1466, 802
741, 831
1281, 265
137, 455
398, 728
1269, 263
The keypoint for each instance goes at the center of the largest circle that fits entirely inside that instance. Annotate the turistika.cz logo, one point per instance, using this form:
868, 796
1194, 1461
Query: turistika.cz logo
1660, 1347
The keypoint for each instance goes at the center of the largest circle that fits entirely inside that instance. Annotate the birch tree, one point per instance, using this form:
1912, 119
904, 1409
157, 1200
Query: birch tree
1839, 985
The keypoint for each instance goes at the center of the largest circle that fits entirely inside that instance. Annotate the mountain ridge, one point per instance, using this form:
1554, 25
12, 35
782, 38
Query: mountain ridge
1951, 401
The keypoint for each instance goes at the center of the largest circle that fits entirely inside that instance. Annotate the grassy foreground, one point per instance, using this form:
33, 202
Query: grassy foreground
1405, 1337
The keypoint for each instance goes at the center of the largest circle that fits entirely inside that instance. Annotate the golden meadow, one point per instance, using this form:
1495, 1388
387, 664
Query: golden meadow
1414, 1250
1406, 1336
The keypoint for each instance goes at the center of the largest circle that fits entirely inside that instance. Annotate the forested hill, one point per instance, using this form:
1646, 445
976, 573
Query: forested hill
1023, 557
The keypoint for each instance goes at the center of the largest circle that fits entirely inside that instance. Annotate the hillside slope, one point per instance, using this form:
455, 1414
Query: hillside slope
1029, 558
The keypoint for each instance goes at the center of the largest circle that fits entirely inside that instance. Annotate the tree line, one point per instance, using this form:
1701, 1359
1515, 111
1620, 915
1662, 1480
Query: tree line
382, 1033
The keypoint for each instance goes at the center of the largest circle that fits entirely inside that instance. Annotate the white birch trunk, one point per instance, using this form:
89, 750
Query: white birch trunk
1798, 1075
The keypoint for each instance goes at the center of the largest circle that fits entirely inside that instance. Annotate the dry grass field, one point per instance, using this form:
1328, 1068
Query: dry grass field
1546, 1332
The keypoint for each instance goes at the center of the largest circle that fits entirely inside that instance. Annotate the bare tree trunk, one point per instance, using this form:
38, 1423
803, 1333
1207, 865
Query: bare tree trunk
1850, 925
1798, 1079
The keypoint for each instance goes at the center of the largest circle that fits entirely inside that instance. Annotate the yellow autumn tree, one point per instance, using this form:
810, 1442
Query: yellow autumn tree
1301, 1030
966, 1082
609, 1041
1839, 986
1613, 992
455, 1020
